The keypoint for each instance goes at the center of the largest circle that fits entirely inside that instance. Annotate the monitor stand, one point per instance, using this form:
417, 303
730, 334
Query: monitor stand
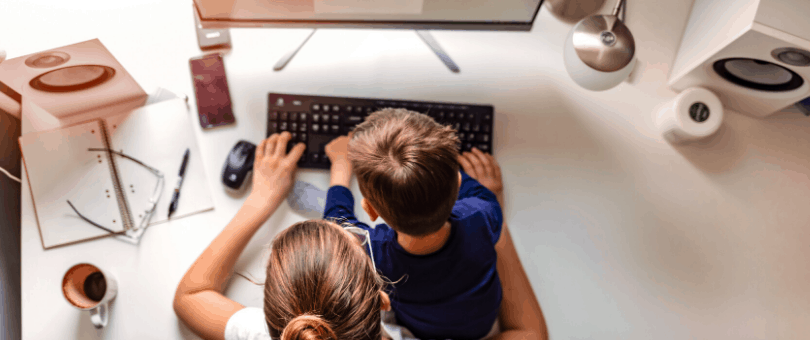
425, 35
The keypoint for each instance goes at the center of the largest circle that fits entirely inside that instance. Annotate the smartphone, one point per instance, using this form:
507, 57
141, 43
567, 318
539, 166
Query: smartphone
211, 89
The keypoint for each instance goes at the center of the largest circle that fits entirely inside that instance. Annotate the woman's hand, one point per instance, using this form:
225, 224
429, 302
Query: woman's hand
273, 168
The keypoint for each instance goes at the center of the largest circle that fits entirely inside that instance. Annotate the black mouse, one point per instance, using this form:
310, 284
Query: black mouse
238, 165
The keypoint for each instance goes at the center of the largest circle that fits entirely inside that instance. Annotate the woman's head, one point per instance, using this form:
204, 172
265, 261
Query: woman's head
320, 285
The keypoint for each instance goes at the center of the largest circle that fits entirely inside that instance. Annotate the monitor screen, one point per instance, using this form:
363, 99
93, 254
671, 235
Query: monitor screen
407, 14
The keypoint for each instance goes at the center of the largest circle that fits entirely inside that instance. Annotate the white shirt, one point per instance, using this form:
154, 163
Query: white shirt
249, 324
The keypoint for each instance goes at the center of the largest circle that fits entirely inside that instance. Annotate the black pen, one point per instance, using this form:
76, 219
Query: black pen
176, 194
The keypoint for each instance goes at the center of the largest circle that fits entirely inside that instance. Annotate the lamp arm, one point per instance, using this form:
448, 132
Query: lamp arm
617, 8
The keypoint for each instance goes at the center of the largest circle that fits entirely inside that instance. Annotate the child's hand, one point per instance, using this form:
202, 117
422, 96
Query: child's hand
338, 149
273, 169
483, 168
338, 153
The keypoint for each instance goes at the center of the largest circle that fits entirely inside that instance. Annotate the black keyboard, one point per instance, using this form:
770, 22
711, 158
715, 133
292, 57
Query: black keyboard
317, 120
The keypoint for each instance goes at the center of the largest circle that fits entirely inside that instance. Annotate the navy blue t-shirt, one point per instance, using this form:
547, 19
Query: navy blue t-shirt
454, 292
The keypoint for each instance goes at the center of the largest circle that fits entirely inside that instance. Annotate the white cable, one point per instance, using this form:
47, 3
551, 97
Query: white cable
10, 175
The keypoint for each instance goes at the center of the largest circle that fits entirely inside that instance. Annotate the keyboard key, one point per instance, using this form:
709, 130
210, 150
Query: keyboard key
316, 117
325, 108
324, 159
283, 115
451, 115
471, 137
303, 158
462, 136
316, 128
487, 117
282, 126
467, 146
315, 158
273, 115
316, 107
349, 108
303, 116
486, 128
293, 115
456, 126
293, 126
466, 127
441, 115
293, 139
369, 110
483, 147
272, 128
483, 138
354, 120
302, 138
335, 128
476, 127
335, 108
303, 127
335, 119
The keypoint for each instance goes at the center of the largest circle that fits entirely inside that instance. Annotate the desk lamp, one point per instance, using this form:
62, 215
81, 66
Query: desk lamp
599, 51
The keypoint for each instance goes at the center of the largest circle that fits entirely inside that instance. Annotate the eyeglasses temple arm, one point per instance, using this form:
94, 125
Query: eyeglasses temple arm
88, 220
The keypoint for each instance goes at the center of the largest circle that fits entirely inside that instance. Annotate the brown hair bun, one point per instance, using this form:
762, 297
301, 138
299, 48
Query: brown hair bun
308, 327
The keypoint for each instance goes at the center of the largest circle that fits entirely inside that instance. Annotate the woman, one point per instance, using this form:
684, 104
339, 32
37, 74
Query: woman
320, 282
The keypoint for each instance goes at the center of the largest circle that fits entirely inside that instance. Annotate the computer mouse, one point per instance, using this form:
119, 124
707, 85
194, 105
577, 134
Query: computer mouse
239, 165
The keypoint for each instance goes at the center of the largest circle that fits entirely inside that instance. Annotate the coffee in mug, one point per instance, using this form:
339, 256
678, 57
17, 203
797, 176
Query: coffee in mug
87, 287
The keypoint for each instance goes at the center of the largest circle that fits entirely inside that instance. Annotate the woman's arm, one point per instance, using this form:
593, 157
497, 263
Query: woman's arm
520, 316
199, 302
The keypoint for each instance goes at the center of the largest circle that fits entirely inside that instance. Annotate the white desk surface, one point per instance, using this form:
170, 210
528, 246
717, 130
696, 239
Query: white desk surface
520, 74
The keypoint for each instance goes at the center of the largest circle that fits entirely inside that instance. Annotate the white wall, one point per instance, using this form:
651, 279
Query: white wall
623, 236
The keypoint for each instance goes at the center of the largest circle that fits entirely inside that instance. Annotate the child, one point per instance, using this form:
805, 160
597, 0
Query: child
439, 243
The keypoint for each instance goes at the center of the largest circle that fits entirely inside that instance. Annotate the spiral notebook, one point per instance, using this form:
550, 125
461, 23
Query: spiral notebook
108, 189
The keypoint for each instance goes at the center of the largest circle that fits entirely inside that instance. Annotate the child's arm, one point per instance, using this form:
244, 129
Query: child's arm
339, 199
483, 168
520, 315
338, 152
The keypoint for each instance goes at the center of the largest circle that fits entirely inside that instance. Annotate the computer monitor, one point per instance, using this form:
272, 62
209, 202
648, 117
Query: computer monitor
511, 15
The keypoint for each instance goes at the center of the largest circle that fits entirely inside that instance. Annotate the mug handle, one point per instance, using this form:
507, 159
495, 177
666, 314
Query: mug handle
98, 316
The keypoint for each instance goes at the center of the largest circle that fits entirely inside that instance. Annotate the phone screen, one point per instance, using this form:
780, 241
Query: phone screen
211, 89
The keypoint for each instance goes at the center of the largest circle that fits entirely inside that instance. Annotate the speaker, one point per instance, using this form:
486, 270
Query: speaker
754, 54
71, 80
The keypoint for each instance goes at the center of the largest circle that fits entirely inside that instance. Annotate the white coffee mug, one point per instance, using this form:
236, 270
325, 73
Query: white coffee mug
89, 288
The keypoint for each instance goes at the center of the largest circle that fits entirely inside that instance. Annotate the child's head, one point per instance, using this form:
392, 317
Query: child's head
407, 169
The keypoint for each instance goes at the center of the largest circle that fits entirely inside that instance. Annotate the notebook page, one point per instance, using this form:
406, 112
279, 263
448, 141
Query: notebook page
158, 135
60, 168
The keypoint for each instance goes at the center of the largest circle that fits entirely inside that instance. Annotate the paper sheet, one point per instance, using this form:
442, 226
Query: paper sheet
307, 199
60, 168
159, 135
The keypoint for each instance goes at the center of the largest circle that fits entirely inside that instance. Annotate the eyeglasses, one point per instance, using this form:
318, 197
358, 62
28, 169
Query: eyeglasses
365, 238
131, 234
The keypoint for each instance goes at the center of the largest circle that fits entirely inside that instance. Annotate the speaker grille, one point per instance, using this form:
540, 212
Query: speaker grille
758, 74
